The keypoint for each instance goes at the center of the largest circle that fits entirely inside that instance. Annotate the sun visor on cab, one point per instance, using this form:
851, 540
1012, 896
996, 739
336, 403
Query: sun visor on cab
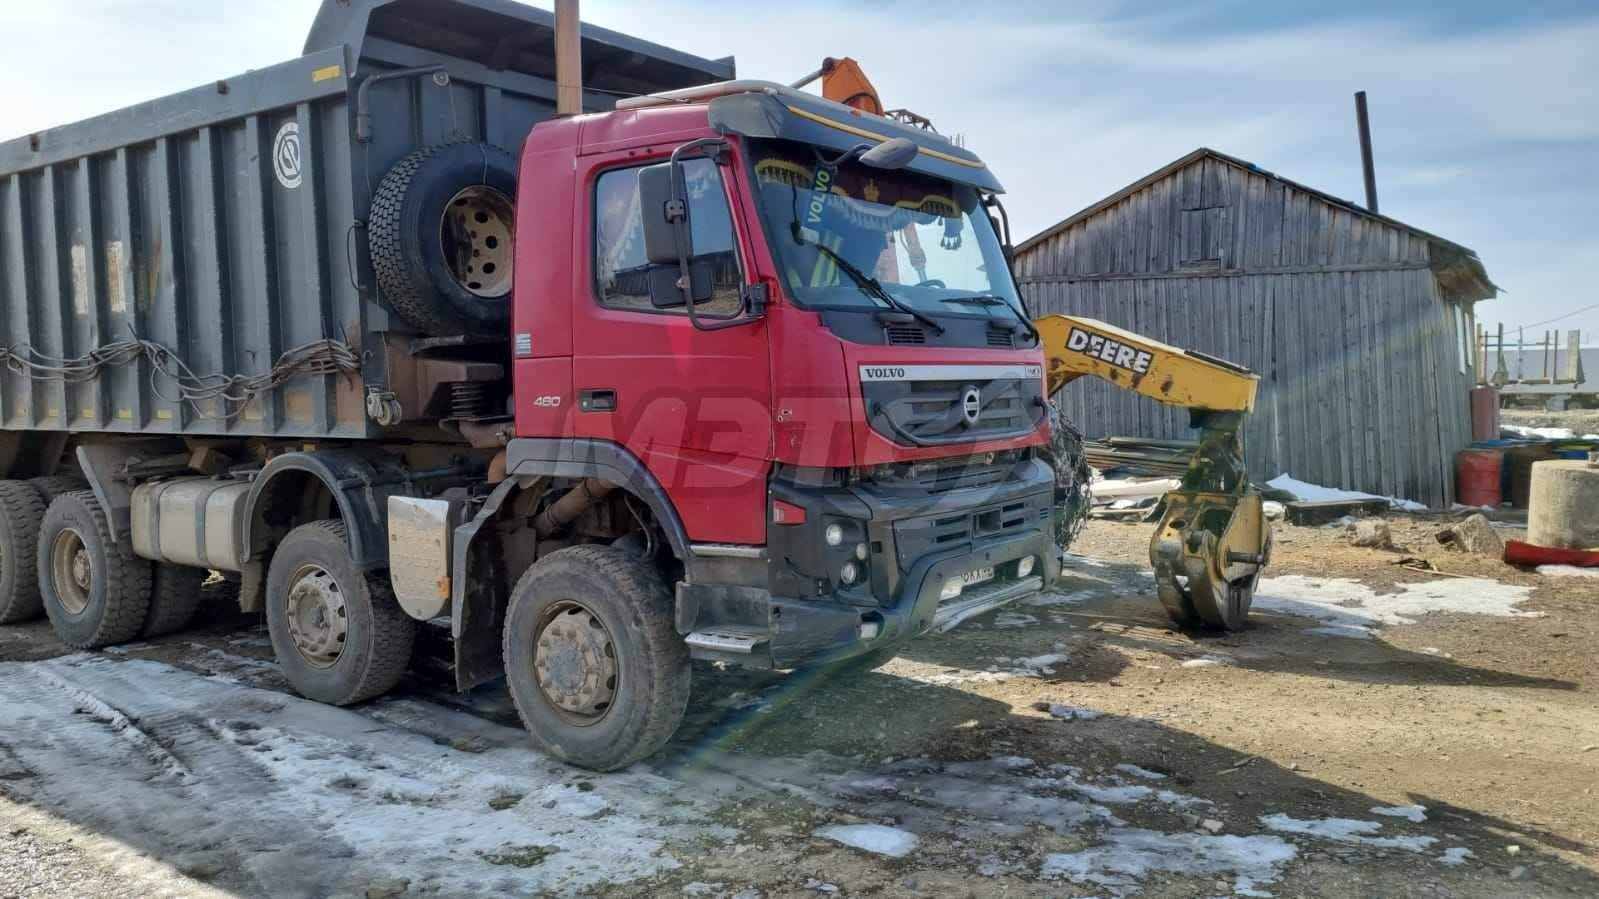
796, 116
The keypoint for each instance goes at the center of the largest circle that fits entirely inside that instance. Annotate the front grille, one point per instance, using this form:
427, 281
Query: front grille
929, 413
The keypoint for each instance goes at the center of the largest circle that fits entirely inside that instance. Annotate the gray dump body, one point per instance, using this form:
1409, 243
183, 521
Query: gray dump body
225, 223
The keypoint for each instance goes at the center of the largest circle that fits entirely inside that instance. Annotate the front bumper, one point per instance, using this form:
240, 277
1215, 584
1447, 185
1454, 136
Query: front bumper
914, 542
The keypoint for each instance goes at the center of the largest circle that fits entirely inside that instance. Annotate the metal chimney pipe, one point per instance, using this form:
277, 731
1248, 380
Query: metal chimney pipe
1366, 164
568, 59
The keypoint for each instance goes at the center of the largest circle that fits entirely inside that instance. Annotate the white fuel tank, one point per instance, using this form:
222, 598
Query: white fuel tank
191, 521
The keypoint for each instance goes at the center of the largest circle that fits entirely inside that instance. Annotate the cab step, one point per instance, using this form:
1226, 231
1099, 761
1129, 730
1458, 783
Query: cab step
737, 640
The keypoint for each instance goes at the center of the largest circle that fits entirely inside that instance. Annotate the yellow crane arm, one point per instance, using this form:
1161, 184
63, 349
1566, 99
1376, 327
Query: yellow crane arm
1213, 541
1074, 347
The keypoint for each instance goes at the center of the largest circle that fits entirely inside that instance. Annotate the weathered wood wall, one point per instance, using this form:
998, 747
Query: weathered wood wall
1361, 381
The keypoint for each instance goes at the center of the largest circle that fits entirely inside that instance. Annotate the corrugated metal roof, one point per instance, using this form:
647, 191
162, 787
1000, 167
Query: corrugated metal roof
1457, 266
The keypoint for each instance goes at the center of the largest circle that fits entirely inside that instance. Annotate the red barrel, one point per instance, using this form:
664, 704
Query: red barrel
1477, 477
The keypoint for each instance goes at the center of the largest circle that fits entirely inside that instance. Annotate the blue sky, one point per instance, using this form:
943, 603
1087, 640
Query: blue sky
1486, 115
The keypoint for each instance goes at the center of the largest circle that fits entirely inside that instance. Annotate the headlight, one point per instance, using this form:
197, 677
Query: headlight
834, 535
849, 573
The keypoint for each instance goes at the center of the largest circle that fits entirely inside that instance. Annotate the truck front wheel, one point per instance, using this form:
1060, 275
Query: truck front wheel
593, 659
95, 596
339, 636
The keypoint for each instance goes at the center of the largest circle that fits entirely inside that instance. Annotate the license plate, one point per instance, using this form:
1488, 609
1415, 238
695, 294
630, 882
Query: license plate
977, 576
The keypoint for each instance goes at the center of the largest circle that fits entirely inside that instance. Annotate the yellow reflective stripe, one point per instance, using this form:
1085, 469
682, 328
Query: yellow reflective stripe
862, 132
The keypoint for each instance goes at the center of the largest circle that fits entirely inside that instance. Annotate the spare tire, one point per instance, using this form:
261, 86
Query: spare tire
441, 232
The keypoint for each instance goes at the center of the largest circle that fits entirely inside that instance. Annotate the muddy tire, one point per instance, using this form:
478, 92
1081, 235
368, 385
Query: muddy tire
21, 507
593, 658
174, 598
95, 596
339, 636
441, 231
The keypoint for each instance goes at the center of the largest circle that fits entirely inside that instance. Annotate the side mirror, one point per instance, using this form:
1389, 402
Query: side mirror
659, 206
891, 154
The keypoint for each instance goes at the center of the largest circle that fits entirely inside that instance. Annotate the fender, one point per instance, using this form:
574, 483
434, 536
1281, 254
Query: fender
481, 586
575, 457
360, 484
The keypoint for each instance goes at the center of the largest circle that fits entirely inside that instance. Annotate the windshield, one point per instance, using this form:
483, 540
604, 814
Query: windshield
927, 242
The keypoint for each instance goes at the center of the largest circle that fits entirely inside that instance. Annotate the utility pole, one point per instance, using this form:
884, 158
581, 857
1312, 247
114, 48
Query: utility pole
568, 59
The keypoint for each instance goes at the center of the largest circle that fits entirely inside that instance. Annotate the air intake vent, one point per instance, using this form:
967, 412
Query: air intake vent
1000, 337
901, 334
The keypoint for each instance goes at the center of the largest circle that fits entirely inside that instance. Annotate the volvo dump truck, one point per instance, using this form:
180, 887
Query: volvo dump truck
723, 370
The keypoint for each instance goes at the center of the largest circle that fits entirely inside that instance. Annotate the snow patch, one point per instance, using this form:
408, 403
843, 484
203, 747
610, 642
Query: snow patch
1455, 855
1537, 433
1315, 493
1344, 830
1349, 606
1567, 571
1134, 770
1074, 713
1130, 854
1413, 813
1208, 661
1013, 620
876, 838
358, 789
1060, 599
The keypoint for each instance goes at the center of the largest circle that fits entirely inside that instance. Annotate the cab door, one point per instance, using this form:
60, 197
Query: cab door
694, 405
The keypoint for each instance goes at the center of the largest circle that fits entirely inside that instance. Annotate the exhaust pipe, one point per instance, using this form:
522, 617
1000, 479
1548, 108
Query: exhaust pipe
1364, 123
566, 510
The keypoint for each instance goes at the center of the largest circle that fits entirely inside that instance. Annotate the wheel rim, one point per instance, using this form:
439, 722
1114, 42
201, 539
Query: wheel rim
72, 571
574, 663
317, 616
476, 237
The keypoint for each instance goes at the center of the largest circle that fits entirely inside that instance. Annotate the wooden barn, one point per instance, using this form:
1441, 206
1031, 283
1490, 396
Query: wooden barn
1360, 326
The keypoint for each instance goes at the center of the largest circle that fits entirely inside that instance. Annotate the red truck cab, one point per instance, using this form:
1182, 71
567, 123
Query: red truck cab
837, 469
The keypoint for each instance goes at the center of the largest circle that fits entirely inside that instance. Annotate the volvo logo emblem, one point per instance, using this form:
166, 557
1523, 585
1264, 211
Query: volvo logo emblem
971, 405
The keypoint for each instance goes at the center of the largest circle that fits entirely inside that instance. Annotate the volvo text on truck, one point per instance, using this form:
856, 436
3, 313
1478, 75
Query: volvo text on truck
721, 370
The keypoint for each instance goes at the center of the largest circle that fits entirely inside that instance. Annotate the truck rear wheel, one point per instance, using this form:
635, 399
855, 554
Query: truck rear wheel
53, 486
593, 658
442, 238
20, 510
339, 636
174, 598
95, 596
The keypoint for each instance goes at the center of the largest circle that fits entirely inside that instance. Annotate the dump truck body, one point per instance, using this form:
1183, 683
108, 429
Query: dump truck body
227, 223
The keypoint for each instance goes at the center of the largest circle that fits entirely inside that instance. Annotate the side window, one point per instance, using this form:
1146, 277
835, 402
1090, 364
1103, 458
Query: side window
621, 272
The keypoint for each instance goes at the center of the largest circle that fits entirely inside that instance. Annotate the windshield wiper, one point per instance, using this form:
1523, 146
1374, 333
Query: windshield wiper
868, 284
995, 301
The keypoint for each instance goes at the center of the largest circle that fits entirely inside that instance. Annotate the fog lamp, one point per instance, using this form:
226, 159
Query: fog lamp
860, 551
952, 589
849, 573
1025, 566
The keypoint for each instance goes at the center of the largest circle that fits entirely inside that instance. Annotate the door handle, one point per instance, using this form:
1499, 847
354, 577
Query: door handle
596, 400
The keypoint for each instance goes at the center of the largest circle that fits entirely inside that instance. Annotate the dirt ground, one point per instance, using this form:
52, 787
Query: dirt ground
1348, 744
